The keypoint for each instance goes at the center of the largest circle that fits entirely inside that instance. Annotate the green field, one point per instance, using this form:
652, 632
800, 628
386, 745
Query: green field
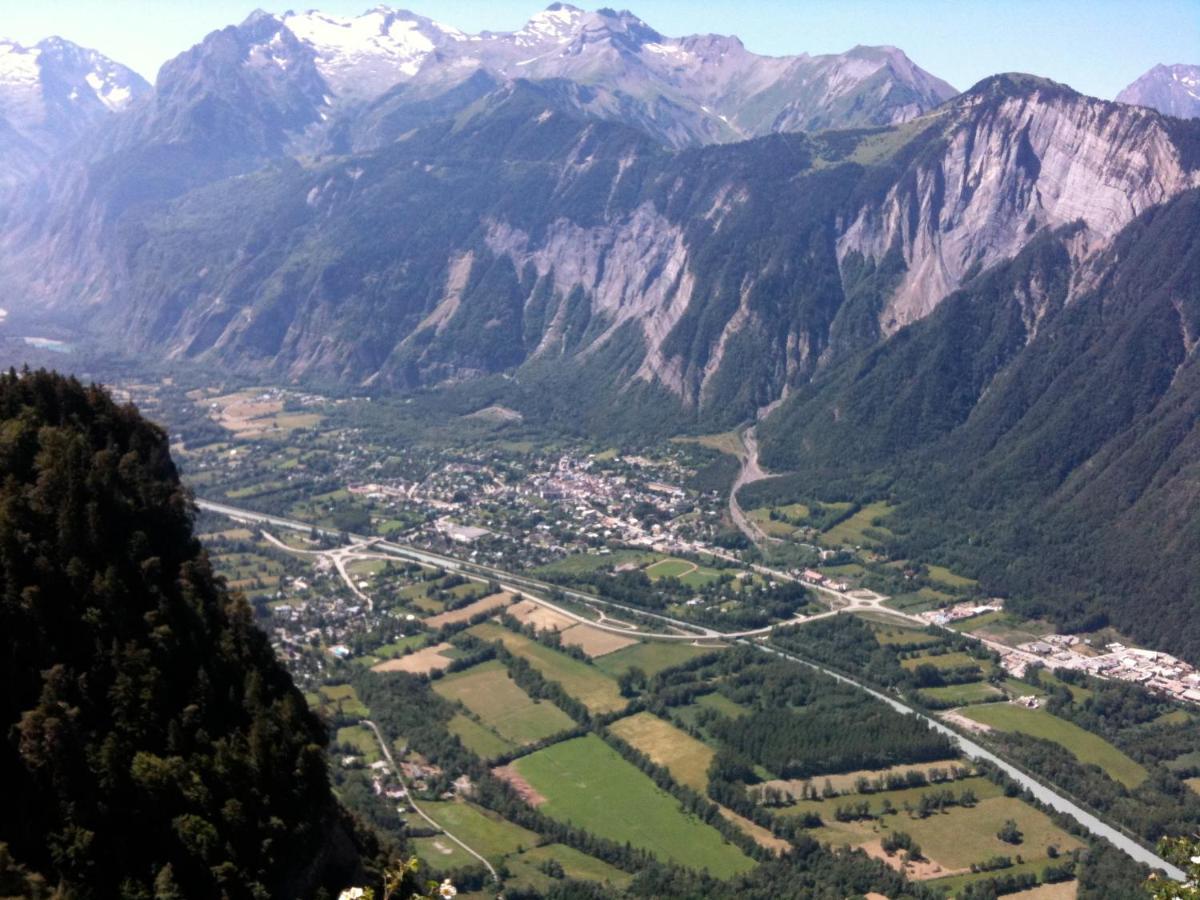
851, 532
795, 511
590, 562
729, 442
954, 660
1188, 760
944, 576
689, 573
1079, 693
481, 741
526, 868
960, 836
489, 692
362, 739
587, 684
995, 617
895, 636
441, 854
345, 699
772, 527
983, 788
975, 692
963, 836
651, 657
1173, 717
669, 568
396, 648
920, 600
588, 785
686, 758
1087, 747
362, 568
722, 704
480, 829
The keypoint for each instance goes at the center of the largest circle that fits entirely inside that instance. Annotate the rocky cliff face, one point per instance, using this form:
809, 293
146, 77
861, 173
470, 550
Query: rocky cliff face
1014, 160
518, 233
524, 235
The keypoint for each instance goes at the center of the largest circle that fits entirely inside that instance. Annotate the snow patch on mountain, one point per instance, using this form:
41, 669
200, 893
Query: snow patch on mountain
19, 65
368, 54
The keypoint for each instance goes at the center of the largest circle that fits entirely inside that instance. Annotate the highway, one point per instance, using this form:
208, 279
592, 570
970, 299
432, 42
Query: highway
692, 632
518, 584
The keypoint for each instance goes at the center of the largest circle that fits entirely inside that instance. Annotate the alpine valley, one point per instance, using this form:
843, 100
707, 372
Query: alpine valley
883, 327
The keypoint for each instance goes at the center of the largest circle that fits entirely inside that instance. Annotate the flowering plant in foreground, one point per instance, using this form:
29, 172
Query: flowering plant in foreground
1186, 854
393, 881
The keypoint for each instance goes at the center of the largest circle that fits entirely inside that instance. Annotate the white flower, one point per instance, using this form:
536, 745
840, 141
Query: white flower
1196, 860
447, 890
354, 893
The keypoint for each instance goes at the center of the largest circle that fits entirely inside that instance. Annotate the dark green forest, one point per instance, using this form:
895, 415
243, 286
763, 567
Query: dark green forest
152, 744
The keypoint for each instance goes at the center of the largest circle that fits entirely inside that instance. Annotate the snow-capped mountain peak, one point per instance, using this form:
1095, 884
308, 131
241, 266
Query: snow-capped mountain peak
555, 23
52, 91
365, 55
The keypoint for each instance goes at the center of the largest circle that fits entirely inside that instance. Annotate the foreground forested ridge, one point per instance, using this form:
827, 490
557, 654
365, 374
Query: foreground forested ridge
152, 745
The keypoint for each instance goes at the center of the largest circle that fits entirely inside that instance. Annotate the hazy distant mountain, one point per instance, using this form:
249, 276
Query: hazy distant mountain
1174, 90
51, 94
684, 91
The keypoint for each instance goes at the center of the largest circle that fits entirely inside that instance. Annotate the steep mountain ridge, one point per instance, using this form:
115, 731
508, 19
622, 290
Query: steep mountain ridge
1030, 154
538, 239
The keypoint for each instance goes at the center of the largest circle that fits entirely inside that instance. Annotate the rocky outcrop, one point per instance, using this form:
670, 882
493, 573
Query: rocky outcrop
632, 269
1011, 163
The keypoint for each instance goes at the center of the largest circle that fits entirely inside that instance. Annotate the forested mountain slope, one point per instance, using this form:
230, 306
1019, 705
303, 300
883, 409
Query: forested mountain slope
1042, 432
520, 237
151, 744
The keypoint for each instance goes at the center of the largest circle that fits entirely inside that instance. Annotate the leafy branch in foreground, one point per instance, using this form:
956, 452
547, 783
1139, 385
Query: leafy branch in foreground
1185, 853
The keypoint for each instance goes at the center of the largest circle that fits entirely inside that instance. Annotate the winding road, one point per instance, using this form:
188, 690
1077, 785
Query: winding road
387, 752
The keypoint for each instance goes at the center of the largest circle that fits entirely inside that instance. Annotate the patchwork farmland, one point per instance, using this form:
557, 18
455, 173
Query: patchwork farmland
625, 757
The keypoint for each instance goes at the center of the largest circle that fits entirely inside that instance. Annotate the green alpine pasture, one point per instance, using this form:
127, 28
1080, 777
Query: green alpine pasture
586, 783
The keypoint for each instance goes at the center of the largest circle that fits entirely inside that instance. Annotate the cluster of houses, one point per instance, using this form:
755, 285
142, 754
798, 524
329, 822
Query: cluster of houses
961, 611
1158, 672
812, 576
594, 503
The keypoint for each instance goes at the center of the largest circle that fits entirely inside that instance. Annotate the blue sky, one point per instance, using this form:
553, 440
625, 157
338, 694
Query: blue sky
1097, 46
